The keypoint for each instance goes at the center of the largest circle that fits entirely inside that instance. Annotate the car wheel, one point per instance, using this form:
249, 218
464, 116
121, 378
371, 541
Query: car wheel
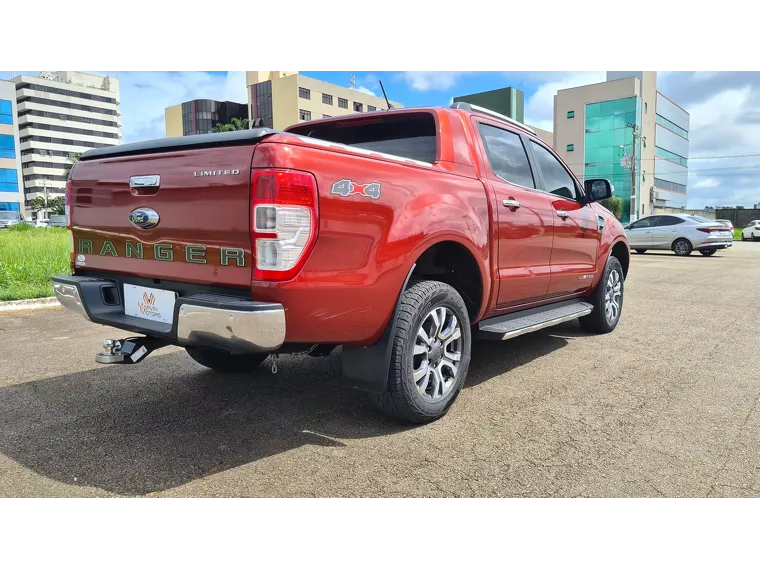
682, 247
707, 252
430, 355
224, 362
607, 300
640, 251
754, 237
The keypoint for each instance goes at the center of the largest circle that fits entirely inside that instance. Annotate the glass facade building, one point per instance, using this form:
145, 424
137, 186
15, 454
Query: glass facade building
11, 189
202, 115
609, 139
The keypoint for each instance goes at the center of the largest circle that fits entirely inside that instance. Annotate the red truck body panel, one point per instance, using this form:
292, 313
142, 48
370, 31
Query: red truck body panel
365, 247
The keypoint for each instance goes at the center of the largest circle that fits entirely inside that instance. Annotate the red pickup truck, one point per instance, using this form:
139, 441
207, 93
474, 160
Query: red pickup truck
399, 235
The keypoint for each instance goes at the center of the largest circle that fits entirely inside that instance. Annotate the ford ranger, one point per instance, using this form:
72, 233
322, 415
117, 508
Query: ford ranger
399, 235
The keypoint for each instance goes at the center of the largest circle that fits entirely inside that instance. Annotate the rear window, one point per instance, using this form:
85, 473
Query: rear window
408, 135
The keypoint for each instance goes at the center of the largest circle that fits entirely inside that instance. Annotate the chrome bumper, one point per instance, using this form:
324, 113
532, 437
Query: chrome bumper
213, 320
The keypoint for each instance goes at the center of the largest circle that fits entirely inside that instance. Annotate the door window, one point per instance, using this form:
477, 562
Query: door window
558, 181
507, 155
643, 223
669, 220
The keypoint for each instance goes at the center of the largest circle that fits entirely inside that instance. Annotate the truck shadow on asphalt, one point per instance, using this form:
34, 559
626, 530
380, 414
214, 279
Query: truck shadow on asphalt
134, 430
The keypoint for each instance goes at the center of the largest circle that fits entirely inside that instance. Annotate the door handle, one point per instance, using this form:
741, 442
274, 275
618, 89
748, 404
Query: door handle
563, 214
511, 203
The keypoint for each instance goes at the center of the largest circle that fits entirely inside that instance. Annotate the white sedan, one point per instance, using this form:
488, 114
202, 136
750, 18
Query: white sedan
751, 231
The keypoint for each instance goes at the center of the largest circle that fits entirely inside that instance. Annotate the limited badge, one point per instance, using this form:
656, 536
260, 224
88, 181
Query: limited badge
347, 188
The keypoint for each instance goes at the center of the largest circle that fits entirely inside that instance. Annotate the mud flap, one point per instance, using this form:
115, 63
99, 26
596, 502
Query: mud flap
366, 367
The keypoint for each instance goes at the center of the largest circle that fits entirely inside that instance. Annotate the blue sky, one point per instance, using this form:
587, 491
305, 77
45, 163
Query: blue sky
724, 140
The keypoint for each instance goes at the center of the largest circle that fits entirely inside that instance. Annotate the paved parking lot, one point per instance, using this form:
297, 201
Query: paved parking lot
667, 405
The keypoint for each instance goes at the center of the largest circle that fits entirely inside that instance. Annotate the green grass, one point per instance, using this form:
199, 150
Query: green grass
29, 257
738, 234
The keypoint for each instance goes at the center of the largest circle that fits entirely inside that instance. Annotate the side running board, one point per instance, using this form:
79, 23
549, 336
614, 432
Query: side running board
525, 321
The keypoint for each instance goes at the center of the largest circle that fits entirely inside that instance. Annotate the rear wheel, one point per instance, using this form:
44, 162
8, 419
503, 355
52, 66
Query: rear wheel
754, 237
707, 252
224, 362
607, 300
640, 251
682, 247
431, 354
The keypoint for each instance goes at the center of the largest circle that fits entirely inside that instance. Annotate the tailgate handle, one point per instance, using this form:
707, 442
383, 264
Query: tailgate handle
144, 181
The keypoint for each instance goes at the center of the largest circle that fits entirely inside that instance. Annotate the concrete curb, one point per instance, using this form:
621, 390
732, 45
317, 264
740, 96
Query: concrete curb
13, 305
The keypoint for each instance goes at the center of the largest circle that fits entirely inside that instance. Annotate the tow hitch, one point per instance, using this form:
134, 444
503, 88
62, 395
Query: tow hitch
127, 351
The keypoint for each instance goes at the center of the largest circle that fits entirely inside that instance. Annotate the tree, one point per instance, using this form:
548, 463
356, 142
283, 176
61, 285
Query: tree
75, 156
235, 124
615, 205
55, 206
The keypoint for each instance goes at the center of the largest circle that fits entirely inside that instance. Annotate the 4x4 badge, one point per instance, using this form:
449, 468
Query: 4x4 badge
347, 188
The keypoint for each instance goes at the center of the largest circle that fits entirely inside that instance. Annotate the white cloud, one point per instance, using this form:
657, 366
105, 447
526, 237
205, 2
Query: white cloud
432, 80
707, 183
366, 91
539, 107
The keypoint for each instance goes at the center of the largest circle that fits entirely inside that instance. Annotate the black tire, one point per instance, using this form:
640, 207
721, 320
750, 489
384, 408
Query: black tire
224, 362
754, 237
597, 322
640, 251
685, 251
707, 252
401, 399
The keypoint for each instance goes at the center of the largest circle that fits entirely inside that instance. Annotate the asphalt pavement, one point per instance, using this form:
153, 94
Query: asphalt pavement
667, 405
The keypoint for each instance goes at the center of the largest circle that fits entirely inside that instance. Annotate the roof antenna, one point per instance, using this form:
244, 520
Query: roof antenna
386, 96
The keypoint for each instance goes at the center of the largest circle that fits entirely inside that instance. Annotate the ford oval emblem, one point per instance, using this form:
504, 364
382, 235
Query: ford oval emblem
144, 218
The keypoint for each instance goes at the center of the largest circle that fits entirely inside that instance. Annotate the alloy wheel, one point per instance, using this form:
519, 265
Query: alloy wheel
437, 352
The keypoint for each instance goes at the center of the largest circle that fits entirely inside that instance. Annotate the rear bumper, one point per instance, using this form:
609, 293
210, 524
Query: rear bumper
218, 321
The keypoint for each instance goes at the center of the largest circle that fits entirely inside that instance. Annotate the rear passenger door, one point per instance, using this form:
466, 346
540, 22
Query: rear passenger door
576, 229
665, 230
522, 216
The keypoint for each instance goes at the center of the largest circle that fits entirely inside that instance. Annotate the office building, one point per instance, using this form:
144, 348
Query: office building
61, 114
278, 99
11, 185
507, 101
601, 130
200, 116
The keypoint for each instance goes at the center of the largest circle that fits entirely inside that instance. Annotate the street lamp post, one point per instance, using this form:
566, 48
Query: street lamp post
631, 163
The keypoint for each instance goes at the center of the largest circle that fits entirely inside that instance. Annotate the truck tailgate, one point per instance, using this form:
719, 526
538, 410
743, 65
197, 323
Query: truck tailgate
201, 204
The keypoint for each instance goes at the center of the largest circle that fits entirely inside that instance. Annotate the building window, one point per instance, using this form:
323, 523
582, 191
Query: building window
358, 107
570, 147
304, 115
668, 155
327, 99
645, 107
570, 114
304, 93
7, 148
6, 112
662, 121
342, 103
371, 109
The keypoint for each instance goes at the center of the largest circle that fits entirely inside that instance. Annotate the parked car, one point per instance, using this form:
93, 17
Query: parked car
680, 233
399, 235
10, 218
41, 223
751, 231
58, 221
727, 223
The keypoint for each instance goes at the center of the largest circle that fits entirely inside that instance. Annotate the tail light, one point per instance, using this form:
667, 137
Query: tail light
283, 222
711, 229
757, 228
67, 212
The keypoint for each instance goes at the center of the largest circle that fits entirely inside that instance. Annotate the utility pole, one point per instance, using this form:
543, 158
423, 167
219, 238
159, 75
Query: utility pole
631, 160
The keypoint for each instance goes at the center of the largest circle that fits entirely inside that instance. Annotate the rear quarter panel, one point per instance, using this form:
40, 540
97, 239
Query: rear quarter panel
365, 248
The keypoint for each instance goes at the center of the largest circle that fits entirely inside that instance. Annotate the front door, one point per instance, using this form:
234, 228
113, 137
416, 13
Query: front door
640, 233
523, 217
576, 230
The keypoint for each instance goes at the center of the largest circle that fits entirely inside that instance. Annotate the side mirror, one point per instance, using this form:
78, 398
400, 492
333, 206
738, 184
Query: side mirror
598, 190
626, 227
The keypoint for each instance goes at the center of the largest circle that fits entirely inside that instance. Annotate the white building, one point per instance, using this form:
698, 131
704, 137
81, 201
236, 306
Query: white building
61, 114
